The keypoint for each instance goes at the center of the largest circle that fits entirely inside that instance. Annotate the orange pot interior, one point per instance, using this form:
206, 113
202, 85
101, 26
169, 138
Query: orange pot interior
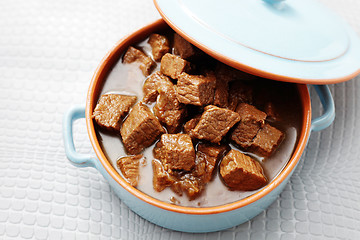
93, 94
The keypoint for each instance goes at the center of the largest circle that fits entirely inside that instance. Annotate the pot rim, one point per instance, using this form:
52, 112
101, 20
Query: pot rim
94, 89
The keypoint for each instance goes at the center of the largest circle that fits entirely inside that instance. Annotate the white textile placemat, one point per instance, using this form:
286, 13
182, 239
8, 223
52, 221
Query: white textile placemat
48, 53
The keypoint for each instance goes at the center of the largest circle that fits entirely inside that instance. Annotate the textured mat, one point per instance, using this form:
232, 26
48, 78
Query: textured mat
48, 53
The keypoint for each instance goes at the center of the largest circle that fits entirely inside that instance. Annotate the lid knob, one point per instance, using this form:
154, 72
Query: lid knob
273, 1
276, 3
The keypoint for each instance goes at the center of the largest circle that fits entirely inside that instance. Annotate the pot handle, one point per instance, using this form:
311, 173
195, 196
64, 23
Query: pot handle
327, 102
77, 159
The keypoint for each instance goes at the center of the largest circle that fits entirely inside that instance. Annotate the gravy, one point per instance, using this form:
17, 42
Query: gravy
128, 79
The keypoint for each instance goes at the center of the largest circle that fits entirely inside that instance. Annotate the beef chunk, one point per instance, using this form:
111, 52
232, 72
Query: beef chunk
228, 74
241, 172
189, 184
140, 129
111, 109
221, 96
224, 75
173, 66
251, 121
135, 55
150, 86
175, 151
214, 123
207, 157
161, 178
267, 140
129, 167
239, 93
196, 89
167, 108
271, 112
185, 49
160, 45
191, 124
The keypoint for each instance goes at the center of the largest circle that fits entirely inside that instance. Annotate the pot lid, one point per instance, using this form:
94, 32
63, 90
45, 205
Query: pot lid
294, 41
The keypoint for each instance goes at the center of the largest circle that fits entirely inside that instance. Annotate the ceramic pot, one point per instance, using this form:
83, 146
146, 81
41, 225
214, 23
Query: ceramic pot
171, 216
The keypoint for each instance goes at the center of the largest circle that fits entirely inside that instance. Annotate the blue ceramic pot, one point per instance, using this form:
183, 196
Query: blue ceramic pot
187, 219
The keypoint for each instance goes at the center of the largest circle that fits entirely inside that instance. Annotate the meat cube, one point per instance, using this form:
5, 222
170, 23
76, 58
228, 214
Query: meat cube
196, 89
140, 129
161, 178
225, 73
239, 93
229, 74
214, 123
160, 45
251, 121
135, 55
129, 167
267, 140
191, 124
175, 151
168, 109
221, 96
189, 184
271, 112
241, 172
111, 109
150, 86
207, 158
173, 66
185, 49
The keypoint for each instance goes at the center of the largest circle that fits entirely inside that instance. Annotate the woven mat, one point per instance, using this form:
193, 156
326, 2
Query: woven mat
48, 53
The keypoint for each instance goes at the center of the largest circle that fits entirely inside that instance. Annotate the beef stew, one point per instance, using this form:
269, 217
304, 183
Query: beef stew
192, 128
